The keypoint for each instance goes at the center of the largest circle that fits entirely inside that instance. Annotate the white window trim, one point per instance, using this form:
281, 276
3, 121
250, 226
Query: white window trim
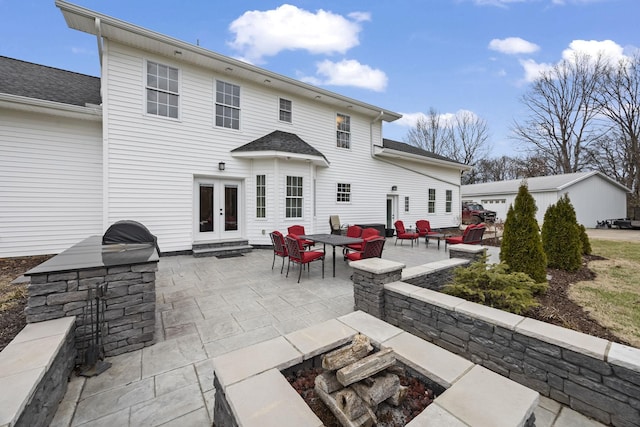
350, 193
301, 198
215, 94
347, 132
290, 111
145, 86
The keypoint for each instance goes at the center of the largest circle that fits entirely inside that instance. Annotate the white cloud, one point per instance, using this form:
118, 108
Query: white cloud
348, 72
607, 48
513, 46
533, 69
266, 33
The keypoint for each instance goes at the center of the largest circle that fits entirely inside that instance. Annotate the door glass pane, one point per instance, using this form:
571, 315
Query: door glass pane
206, 208
230, 208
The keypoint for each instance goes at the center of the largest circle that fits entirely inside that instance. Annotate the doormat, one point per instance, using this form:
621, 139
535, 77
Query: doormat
228, 256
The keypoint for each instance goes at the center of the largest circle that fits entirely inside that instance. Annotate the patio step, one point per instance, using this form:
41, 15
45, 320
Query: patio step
226, 248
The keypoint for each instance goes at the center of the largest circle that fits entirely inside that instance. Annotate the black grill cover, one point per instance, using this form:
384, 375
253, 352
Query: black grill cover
127, 231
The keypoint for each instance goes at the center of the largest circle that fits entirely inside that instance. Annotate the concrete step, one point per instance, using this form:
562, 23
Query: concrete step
221, 250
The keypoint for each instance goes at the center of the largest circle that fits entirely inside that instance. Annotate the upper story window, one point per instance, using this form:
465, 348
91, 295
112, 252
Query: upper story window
261, 196
343, 131
227, 105
432, 201
293, 204
448, 200
162, 90
285, 110
406, 204
343, 195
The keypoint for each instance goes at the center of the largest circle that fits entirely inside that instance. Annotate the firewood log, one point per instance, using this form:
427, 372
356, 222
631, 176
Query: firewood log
366, 367
384, 386
328, 382
359, 348
365, 420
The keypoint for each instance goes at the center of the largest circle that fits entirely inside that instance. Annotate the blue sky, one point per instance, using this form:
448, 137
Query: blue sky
404, 55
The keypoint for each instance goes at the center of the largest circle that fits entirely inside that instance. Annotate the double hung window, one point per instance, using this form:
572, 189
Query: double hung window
293, 203
162, 88
343, 131
431, 208
227, 105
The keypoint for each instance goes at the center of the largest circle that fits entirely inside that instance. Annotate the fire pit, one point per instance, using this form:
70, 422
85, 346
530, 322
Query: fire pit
357, 387
251, 389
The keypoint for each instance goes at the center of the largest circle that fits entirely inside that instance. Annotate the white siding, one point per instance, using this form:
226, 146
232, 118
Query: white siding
596, 199
153, 160
51, 175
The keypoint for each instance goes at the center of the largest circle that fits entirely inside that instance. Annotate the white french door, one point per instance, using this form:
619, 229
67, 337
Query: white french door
217, 209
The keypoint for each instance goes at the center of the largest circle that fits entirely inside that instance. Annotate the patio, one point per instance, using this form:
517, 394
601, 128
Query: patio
207, 307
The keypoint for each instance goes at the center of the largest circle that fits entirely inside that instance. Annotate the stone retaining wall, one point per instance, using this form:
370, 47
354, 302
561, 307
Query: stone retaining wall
593, 376
34, 372
129, 304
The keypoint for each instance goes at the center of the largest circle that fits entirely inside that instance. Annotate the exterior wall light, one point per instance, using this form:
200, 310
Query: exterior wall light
394, 188
221, 166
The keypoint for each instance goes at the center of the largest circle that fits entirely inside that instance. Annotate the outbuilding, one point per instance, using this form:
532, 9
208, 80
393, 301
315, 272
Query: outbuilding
594, 196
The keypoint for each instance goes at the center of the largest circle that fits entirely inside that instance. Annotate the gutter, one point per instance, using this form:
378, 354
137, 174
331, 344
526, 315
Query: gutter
98, 25
52, 108
376, 119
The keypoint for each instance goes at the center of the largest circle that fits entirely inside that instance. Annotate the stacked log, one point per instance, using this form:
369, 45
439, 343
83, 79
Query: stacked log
356, 381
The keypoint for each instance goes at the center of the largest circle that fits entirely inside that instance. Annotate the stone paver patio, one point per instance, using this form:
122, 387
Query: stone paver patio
207, 307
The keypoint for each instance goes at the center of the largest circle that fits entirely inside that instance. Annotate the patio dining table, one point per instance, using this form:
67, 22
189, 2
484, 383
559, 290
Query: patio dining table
333, 240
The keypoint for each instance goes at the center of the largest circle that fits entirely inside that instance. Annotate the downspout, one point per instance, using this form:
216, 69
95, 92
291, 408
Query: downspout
378, 118
98, 25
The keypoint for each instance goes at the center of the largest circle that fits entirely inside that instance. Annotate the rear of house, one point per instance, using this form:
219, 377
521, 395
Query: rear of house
201, 148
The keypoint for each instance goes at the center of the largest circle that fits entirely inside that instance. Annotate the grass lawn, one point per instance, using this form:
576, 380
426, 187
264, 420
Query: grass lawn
613, 298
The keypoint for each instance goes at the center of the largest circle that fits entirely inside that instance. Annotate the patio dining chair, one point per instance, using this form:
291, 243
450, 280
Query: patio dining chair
367, 233
403, 234
299, 256
298, 230
279, 248
334, 224
371, 248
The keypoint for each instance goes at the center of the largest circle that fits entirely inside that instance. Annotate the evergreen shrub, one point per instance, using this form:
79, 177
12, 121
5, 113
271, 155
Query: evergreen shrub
561, 236
495, 286
586, 244
521, 246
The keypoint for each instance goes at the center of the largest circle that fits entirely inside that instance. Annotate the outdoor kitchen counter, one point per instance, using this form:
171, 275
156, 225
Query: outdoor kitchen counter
91, 253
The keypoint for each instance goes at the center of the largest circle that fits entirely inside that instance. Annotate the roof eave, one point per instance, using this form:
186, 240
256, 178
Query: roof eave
84, 20
272, 154
42, 106
396, 154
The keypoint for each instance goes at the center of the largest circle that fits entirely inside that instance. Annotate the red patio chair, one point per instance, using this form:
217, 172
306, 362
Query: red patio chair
472, 235
298, 255
402, 234
371, 248
423, 227
367, 233
298, 230
279, 248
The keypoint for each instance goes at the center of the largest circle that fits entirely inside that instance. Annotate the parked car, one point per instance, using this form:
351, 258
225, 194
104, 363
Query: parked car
475, 213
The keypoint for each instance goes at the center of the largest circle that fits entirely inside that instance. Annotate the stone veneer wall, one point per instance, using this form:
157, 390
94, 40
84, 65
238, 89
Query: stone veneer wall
130, 304
41, 409
593, 376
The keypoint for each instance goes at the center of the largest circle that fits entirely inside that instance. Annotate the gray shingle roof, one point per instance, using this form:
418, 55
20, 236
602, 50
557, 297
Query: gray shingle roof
52, 84
280, 141
412, 149
534, 185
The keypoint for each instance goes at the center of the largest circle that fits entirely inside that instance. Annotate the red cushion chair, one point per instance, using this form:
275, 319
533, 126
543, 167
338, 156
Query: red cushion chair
402, 234
423, 227
367, 233
298, 230
298, 255
371, 248
279, 248
472, 235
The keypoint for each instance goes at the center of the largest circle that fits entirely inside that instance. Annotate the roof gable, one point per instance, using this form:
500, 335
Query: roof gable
536, 184
280, 142
51, 84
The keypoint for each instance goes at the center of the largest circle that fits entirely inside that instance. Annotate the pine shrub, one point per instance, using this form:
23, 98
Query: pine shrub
495, 286
561, 236
521, 247
586, 244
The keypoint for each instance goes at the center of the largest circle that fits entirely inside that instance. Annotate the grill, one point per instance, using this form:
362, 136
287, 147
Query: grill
127, 231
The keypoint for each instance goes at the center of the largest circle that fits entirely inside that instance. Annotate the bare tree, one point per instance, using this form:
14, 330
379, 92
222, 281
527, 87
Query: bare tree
468, 136
462, 137
430, 133
563, 112
618, 156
